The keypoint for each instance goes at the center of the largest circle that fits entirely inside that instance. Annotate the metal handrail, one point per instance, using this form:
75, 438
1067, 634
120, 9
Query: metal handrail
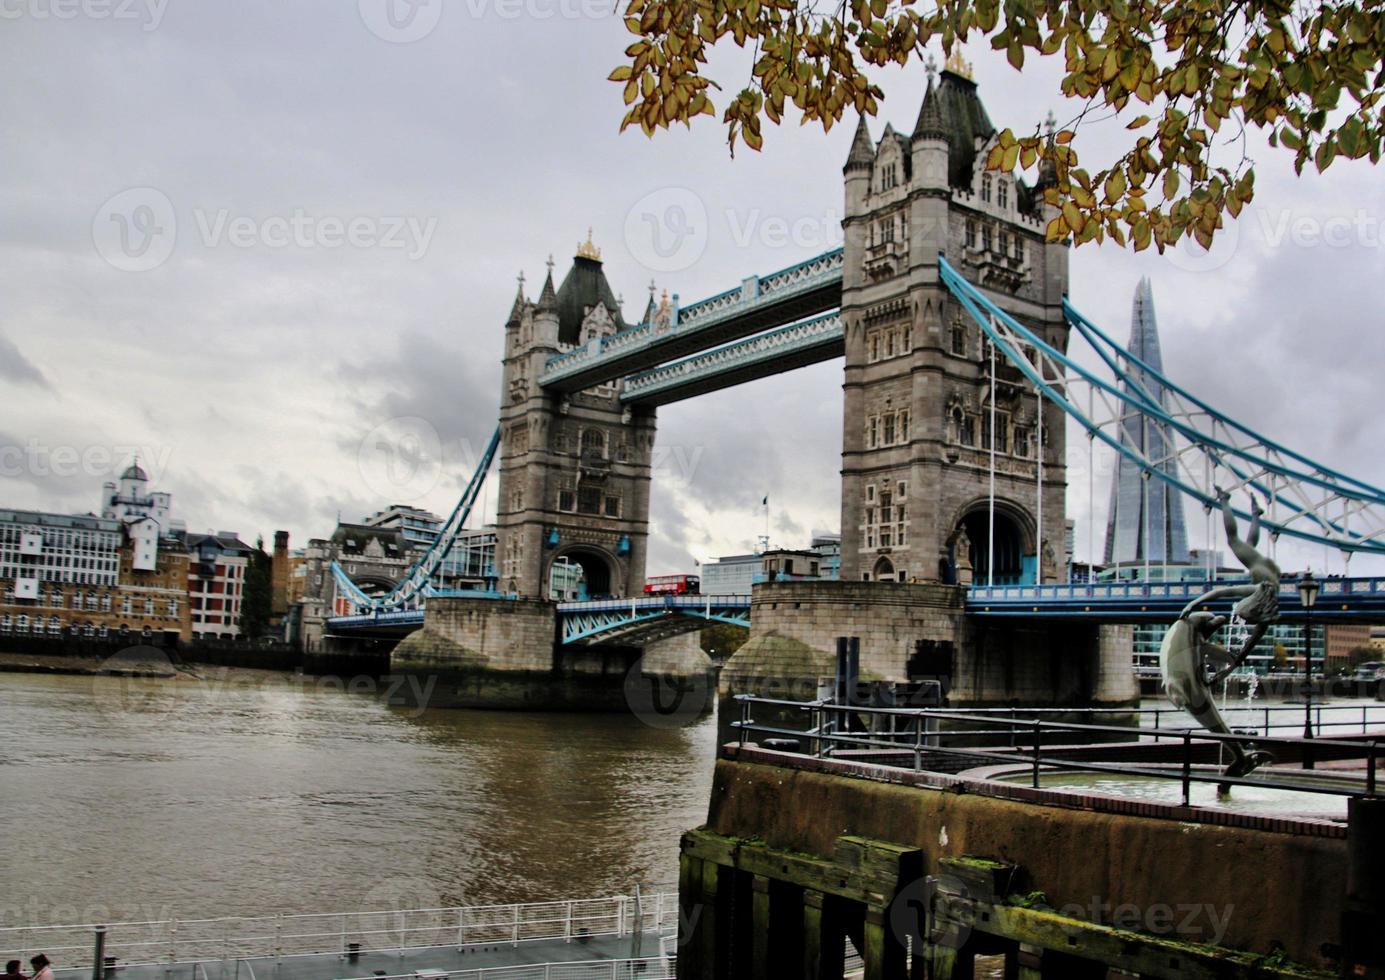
909, 741
228, 938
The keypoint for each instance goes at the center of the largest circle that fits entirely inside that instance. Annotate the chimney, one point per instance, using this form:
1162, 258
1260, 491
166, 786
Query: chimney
279, 575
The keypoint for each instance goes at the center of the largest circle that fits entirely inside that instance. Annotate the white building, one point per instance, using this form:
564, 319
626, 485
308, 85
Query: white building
145, 514
37, 547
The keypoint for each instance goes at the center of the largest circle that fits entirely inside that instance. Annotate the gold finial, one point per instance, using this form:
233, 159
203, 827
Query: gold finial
586, 250
957, 65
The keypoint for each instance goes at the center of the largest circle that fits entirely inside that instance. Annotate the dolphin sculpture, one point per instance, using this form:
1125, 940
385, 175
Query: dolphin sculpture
1190, 663
1185, 656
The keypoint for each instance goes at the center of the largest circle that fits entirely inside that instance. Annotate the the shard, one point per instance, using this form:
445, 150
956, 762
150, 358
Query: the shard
1145, 522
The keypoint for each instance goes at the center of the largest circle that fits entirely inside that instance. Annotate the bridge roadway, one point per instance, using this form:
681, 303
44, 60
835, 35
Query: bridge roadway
650, 618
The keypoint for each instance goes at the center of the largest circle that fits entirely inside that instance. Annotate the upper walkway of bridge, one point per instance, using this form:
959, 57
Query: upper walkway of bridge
760, 303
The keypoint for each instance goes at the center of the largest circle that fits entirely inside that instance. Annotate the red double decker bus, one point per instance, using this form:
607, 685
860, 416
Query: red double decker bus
672, 585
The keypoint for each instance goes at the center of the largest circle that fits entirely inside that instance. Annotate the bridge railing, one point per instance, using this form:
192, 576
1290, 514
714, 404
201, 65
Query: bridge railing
645, 603
173, 941
1099, 591
920, 739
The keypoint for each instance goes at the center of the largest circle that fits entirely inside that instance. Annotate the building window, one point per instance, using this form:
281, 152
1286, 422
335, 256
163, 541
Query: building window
589, 500
889, 435
971, 233
966, 430
986, 188
594, 443
986, 238
1024, 441
612, 506
567, 501
1002, 196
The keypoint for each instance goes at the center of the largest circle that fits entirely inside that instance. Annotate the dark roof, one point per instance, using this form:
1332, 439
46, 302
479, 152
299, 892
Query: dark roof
223, 542
353, 539
963, 118
134, 472
583, 287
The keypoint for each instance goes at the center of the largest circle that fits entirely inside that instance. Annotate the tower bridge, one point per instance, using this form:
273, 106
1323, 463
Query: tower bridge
949, 309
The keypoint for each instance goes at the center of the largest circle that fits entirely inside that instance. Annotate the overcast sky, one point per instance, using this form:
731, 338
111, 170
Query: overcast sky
272, 246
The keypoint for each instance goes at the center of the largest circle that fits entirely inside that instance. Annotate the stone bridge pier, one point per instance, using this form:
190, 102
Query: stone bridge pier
911, 630
505, 653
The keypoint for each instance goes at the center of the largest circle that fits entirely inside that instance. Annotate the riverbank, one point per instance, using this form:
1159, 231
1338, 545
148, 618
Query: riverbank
147, 663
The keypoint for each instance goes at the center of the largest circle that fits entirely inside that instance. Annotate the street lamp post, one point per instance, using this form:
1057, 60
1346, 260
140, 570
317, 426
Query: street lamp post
1308, 594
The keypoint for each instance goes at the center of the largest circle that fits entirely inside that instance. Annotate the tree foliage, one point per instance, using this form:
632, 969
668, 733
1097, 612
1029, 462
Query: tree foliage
256, 599
1198, 73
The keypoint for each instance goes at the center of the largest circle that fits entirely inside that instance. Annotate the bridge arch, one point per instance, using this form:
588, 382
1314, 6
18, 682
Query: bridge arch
587, 570
1015, 538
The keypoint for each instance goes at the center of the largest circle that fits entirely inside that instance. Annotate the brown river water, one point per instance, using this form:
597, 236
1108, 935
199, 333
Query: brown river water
126, 799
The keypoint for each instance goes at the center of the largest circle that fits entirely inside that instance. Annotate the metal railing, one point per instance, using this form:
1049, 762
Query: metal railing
1364, 718
241, 938
884, 735
646, 968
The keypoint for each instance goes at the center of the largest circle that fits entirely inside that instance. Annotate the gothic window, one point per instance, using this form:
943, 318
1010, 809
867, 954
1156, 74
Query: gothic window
971, 233
589, 500
901, 491
959, 339
567, 501
986, 188
906, 342
517, 499
885, 506
889, 343
1004, 242
874, 342
889, 430
903, 426
612, 506
870, 492
966, 434
884, 537
986, 237
594, 443
1024, 441
1002, 432
1003, 194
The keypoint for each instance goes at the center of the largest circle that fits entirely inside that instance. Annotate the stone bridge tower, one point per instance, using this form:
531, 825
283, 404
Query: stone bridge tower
574, 469
917, 429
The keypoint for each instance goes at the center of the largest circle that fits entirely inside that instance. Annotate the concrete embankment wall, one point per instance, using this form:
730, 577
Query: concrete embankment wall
1268, 883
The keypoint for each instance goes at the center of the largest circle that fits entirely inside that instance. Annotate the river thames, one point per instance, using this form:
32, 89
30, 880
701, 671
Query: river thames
148, 799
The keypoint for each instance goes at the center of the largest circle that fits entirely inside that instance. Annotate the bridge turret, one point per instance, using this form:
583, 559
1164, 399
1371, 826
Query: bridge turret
930, 143
546, 315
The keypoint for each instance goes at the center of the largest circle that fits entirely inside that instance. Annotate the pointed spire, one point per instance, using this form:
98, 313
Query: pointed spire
862, 155
517, 310
548, 299
651, 308
931, 124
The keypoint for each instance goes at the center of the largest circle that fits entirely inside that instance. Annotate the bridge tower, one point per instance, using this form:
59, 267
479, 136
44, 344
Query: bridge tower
574, 469
916, 452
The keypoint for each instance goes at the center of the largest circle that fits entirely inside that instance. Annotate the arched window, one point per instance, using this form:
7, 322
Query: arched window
1002, 195
986, 188
594, 443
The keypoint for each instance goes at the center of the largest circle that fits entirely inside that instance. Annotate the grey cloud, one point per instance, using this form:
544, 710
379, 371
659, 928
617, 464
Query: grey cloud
15, 367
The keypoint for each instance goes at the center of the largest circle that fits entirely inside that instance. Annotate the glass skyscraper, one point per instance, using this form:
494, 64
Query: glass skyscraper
1145, 521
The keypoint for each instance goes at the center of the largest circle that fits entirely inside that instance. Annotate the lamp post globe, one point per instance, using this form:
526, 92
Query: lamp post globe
1308, 595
